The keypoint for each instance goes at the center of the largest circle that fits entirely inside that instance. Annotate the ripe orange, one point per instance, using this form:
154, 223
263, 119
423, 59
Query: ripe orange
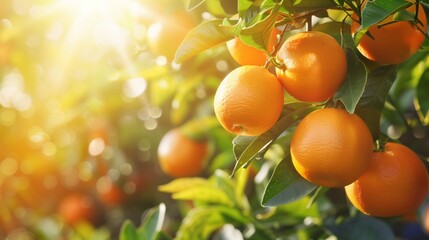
165, 36
315, 66
392, 43
244, 54
248, 101
331, 147
181, 156
76, 208
395, 183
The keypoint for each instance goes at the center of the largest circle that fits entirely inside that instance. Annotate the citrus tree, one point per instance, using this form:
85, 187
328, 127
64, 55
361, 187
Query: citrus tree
353, 74
214, 119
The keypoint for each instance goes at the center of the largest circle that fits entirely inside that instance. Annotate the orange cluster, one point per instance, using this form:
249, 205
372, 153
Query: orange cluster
333, 148
310, 66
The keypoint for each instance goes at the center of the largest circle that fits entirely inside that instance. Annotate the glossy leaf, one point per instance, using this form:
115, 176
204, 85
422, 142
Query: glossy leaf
244, 5
261, 31
182, 184
228, 232
362, 227
221, 161
300, 209
353, 87
339, 31
207, 194
261, 143
375, 12
128, 231
372, 101
222, 181
286, 185
201, 222
152, 223
421, 93
204, 36
378, 10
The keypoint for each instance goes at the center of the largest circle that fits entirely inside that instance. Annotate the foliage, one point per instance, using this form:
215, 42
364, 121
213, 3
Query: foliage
83, 99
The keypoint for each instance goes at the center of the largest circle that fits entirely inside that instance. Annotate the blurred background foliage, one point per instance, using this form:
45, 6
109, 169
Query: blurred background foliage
83, 105
85, 100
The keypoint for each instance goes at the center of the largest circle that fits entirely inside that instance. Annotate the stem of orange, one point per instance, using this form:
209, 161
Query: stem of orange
308, 23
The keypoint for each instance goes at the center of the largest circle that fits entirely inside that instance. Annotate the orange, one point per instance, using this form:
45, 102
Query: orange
165, 35
315, 66
181, 156
76, 208
331, 147
248, 101
244, 54
392, 43
395, 184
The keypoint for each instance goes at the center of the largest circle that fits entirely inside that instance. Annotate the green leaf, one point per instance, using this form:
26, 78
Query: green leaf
375, 12
194, 3
221, 180
339, 31
403, 15
201, 222
198, 128
204, 36
353, 87
422, 93
85, 230
259, 34
128, 231
221, 161
185, 98
152, 223
228, 232
339, 2
372, 101
182, 184
300, 209
378, 10
207, 194
261, 143
244, 5
286, 185
240, 144
362, 227
164, 236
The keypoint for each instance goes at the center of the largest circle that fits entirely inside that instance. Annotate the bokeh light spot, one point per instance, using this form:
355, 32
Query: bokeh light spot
8, 167
134, 87
96, 146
